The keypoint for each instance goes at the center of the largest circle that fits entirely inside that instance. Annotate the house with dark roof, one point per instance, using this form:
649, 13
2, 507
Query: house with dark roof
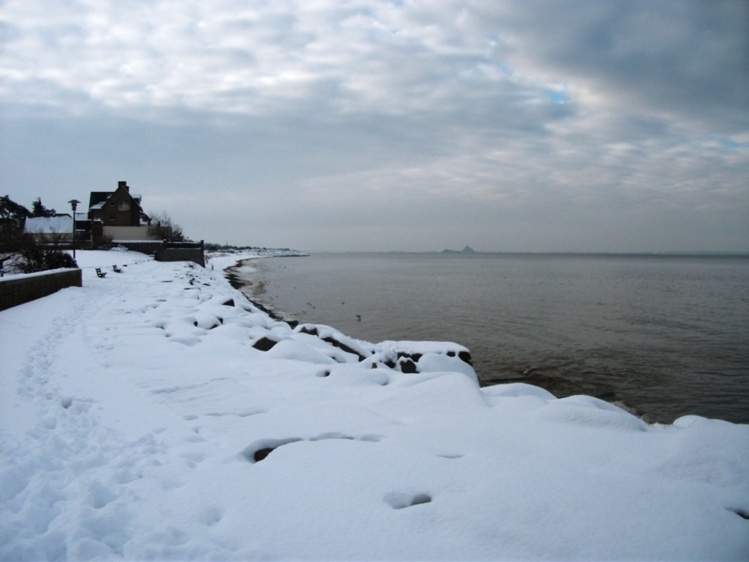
117, 208
117, 215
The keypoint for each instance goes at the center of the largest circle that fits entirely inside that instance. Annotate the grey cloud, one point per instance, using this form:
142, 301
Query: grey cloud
386, 125
685, 56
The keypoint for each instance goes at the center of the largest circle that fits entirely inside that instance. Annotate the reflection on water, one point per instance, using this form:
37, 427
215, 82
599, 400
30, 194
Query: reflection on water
665, 334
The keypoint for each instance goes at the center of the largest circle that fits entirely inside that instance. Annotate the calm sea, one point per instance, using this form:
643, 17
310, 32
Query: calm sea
665, 335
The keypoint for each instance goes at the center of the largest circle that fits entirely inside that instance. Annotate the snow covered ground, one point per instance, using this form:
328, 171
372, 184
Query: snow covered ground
138, 420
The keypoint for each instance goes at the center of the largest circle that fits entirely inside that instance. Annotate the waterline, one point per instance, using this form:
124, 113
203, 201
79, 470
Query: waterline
663, 334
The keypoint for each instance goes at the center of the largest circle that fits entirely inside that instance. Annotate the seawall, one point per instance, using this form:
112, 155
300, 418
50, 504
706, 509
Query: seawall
20, 290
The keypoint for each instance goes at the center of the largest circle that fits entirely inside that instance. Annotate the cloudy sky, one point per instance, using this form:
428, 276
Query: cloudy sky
591, 125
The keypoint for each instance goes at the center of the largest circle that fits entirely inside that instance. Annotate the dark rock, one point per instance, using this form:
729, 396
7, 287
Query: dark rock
465, 356
261, 454
342, 346
264, 344
268, 311
408, 366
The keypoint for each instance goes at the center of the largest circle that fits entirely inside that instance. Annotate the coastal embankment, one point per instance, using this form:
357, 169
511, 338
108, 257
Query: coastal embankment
158, 414
662, 334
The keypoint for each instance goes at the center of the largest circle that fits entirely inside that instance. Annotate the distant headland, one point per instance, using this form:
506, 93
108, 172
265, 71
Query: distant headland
466, 250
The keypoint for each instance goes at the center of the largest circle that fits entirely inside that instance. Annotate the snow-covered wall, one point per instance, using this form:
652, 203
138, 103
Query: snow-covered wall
25, 288
61, 224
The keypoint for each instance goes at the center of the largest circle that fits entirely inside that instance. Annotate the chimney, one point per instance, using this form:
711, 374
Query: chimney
123, 184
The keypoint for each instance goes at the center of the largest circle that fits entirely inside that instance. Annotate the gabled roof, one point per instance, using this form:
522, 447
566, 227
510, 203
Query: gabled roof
97, 199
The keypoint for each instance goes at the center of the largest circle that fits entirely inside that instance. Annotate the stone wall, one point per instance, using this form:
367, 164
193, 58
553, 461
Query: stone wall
150, 247
22, 289
185, 251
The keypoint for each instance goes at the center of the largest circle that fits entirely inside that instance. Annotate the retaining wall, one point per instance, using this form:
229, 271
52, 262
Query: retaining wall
182, 252
146, 247
22, 289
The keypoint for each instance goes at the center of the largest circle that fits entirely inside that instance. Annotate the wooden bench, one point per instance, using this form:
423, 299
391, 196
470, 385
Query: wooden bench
116, 269
100, 273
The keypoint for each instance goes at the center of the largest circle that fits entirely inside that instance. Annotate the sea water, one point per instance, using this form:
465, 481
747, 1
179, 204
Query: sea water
665, 335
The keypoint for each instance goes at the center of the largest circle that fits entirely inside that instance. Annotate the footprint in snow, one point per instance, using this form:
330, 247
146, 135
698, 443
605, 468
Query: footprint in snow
399, 500
260, 449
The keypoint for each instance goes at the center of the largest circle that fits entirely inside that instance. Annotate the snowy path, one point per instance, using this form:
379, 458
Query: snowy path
70, 468
138, 421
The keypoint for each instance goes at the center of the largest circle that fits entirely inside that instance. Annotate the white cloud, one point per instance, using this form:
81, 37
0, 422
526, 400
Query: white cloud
224, 57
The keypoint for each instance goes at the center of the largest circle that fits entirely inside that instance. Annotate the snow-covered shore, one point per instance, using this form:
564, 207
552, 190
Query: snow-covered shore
140, 418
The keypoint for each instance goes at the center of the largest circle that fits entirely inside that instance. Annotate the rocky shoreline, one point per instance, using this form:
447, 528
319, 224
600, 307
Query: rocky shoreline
557, 386
392, 355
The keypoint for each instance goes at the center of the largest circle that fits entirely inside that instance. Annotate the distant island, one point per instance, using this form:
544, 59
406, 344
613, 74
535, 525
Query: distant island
466, 250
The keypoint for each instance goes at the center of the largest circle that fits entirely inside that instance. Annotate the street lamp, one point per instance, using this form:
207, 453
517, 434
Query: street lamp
74, 205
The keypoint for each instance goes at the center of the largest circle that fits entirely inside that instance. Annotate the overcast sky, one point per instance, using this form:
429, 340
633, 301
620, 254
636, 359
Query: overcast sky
589, 125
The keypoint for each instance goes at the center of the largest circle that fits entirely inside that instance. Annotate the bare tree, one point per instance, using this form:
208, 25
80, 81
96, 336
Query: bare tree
40, 257
164, 228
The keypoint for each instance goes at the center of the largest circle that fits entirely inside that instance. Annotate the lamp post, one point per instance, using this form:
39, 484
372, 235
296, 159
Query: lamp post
74, 205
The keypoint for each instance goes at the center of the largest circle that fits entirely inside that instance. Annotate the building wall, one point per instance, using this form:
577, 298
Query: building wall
120, 209
22, 289
127, 232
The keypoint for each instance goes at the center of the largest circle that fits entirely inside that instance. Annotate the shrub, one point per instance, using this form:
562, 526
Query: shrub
38, 258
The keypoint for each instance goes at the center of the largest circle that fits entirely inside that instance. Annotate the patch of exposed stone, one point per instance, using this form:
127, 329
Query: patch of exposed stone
383, 356
396, 356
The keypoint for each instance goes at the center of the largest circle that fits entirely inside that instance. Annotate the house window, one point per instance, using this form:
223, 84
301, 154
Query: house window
123, 206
